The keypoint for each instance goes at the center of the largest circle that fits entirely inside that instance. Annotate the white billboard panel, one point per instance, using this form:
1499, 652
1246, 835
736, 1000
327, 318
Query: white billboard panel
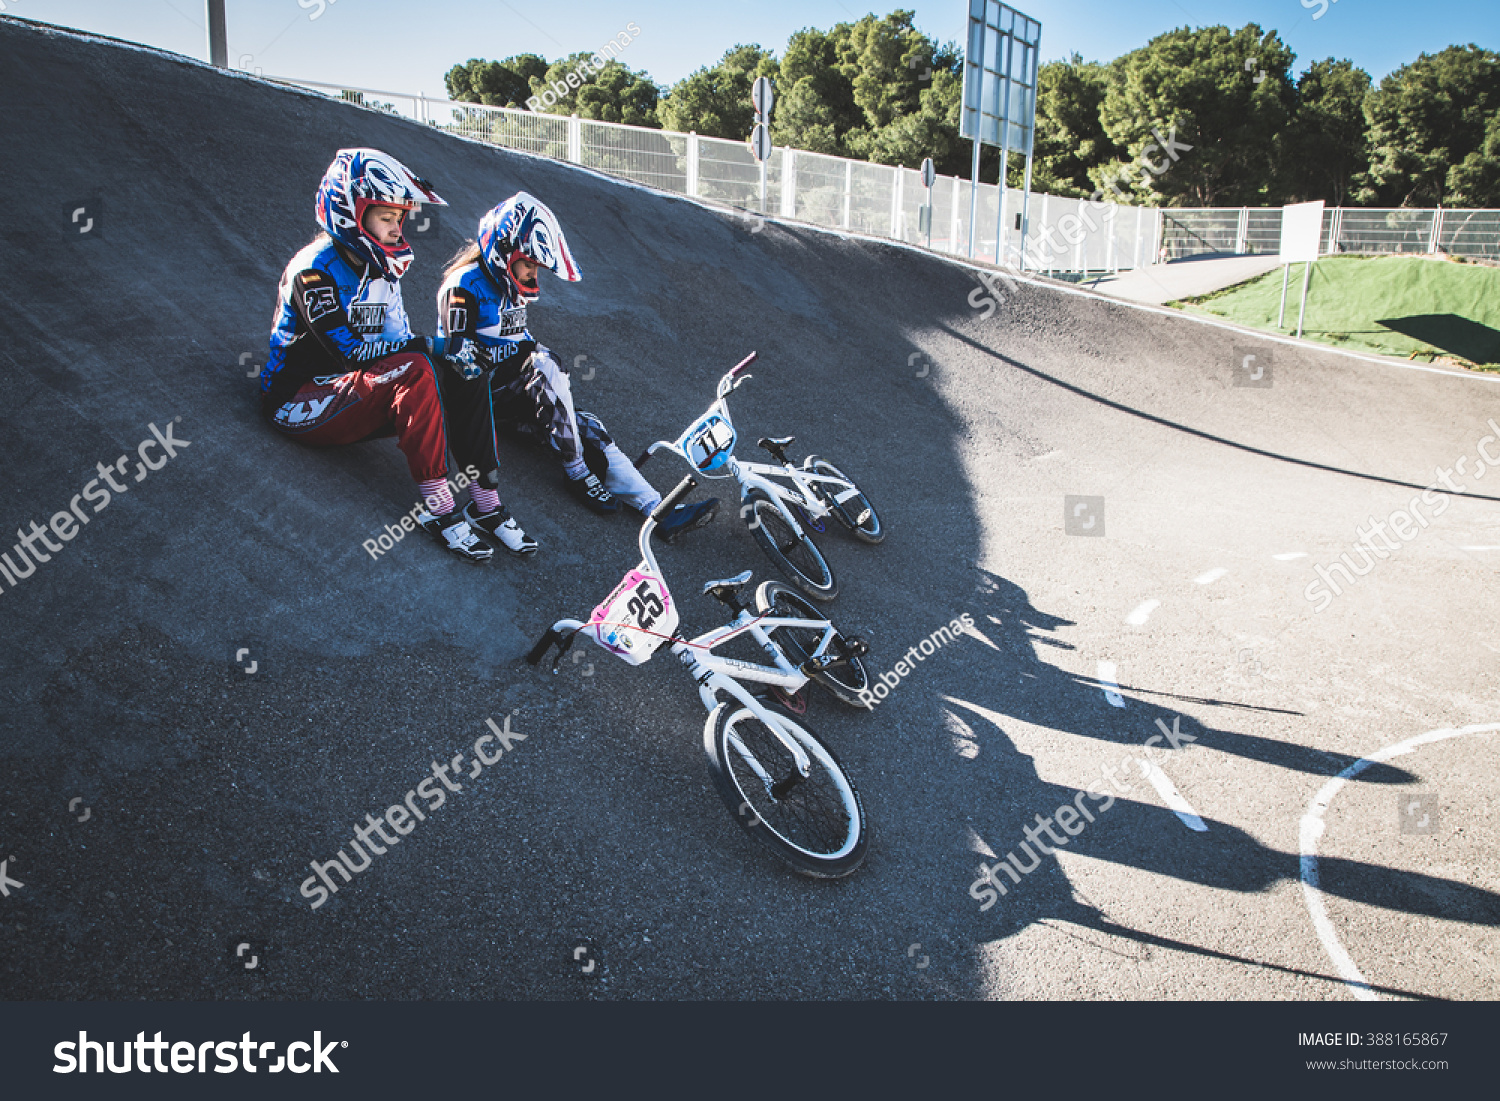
1301, 232
1000, 64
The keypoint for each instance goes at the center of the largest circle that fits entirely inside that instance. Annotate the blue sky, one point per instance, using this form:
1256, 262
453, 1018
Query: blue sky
405, 46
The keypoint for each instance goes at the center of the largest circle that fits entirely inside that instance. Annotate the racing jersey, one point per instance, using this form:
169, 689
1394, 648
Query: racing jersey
479, 318
332, 317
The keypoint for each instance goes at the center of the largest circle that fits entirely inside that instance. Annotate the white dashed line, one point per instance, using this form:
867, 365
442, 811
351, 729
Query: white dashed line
1289, 556
1211, 576
1107, 680
1171, 796
1142, 613
1312, 829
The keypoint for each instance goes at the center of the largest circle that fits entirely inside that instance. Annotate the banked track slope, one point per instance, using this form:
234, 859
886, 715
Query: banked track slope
161, 807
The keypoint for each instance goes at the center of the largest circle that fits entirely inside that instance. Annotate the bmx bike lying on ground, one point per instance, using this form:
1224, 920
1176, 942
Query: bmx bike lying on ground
780, 783
780, 516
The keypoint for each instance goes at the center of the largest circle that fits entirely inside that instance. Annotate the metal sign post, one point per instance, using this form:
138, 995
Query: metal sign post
218, 42
999, 98
929, 177
762, 97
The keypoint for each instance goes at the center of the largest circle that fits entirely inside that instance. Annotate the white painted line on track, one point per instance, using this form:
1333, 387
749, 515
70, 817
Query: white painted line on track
1211, 576
1142, 613
1171, 796
1108, 678
1289, 556
1311, 829
1479, 548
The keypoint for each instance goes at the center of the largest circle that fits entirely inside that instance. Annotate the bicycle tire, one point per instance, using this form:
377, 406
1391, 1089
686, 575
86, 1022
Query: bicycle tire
802, 562
843, 681
818, 826
849, 513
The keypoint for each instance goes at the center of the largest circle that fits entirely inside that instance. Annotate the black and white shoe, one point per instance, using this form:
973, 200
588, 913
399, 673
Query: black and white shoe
501, 526
590, 490
452, 530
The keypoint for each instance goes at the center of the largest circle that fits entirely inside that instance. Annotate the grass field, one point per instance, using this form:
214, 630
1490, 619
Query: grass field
1429, 310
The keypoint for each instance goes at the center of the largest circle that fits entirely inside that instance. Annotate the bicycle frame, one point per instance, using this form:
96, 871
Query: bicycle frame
755, 475
716, 674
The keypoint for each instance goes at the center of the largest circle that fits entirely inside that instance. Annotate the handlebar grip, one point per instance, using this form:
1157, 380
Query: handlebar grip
646, 454
669, 502
539, 651
742, 364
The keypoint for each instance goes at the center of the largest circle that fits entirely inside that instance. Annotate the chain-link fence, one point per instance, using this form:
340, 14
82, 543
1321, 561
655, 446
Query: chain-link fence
1060, 235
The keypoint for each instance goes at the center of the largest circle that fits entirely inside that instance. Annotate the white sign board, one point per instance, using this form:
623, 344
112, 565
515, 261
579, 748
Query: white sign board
1301, 232
1000, 64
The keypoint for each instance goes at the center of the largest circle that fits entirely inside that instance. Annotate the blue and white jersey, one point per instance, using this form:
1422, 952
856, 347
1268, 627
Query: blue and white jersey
472, 307
331, 318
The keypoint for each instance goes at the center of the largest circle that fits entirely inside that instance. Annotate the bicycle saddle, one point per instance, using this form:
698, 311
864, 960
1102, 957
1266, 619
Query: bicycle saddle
726, 587
777, 444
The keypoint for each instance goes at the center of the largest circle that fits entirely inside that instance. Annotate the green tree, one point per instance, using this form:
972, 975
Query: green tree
612, 93
1427, 120
1199, 112
1476, 182
1326, 146
715, 100
496, 83
1070, 137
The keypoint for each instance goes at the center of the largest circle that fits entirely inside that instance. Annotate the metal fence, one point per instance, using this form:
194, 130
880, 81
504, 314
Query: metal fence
1063, 235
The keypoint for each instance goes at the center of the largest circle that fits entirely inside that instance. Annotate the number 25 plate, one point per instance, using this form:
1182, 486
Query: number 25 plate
636, 619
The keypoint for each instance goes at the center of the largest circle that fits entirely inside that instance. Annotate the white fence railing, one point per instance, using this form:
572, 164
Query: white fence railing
1064, 235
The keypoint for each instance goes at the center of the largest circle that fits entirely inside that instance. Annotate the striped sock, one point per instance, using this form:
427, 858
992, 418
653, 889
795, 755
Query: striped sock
485, 500
436, 495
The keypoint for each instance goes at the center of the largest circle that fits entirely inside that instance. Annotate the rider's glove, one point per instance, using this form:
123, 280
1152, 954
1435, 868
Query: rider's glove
461, 354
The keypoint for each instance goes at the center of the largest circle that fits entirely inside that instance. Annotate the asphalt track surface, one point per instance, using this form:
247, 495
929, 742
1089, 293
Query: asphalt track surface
161, 806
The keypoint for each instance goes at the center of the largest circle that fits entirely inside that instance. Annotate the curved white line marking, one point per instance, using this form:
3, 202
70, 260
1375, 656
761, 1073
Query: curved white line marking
1108, 680
1312, 829
1142, 613
1289, 556
1211, 576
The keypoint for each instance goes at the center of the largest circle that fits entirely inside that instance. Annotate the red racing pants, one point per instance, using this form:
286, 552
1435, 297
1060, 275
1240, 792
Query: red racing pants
397, 395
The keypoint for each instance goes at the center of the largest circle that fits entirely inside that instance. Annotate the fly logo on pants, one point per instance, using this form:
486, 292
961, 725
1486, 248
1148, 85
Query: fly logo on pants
303, 411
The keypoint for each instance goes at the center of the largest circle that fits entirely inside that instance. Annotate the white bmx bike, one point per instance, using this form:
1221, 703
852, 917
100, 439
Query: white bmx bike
781, 516
780, 783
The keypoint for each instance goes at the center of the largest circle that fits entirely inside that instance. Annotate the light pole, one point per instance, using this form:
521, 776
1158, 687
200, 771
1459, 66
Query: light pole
218, 42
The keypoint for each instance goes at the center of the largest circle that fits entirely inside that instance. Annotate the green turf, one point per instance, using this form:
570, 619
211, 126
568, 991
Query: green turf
1392, 305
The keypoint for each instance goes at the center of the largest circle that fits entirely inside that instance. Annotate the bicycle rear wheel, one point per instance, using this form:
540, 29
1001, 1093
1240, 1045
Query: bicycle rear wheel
799, 559
846, 679
816, 824
854, 512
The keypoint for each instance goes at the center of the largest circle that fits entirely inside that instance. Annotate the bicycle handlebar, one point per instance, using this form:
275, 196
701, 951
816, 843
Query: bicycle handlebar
742, 364
539, 651
669, 502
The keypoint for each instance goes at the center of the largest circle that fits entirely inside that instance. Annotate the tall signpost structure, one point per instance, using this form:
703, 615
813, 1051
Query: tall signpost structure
218, 44
760, 138
999, 105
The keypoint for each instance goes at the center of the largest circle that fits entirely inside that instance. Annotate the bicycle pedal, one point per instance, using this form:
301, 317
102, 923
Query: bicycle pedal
856, 647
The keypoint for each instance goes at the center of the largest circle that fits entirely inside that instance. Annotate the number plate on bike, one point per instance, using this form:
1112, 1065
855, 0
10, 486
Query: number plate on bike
636, 619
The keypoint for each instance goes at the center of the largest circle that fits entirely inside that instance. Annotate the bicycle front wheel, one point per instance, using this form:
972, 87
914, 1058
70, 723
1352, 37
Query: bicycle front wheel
845, 680
814, 823
799, 559
855, 511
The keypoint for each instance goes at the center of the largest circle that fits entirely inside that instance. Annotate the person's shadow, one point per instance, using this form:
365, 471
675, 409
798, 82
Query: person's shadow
1126, 826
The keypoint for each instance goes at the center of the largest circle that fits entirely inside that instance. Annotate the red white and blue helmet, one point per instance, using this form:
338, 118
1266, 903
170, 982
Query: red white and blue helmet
357, 180
523, 226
